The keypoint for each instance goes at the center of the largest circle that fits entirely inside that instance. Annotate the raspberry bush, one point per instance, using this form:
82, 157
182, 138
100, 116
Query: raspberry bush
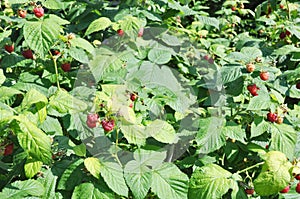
149, 99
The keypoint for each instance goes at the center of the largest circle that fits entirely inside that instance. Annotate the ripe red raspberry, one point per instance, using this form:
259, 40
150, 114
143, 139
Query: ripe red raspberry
120, 32
286, 189
249, 191
38, 12
108, 125
282, 35
27, 54
9, 48
66, 67
272, 117
297, 177
133, 96
298, 188
264, 75
253, 89
8, 149
92, 120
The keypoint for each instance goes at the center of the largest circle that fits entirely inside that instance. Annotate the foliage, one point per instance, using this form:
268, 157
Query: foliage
149, 99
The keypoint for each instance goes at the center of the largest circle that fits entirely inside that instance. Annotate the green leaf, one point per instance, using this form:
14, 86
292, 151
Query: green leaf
138, 178
209, 21
41, 35
53, 4
32, 167
210, 136
112, 174
80, 150
251, 53
63, 102
259, 102
229, 73
7, 93
33, 140
259, 126
78, 54
93, 166
171, 40
274, 175
91, 191
49, 182
162, 131
52, 126
33, 97
234, 131
72, 176
83, 44
210, 181
22, 189
99, 24
169, 182
134, 133
2, 77
17, 1
159, 56
284, 138
137, 172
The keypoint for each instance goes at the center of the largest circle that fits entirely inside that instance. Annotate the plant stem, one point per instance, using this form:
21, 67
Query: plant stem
251, 167
56, 70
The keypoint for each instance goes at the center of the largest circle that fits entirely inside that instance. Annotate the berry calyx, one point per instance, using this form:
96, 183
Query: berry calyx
22, 13
8, 149
108, 125
272, 117
133, 96
298, 188
9, 48
264, 75
66, 67
92, 120
286, 189
249, 191
27, 54
38, 12
250, 67
258, 59
141, 32
120, 32
71, 36
298, 85
253, 89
